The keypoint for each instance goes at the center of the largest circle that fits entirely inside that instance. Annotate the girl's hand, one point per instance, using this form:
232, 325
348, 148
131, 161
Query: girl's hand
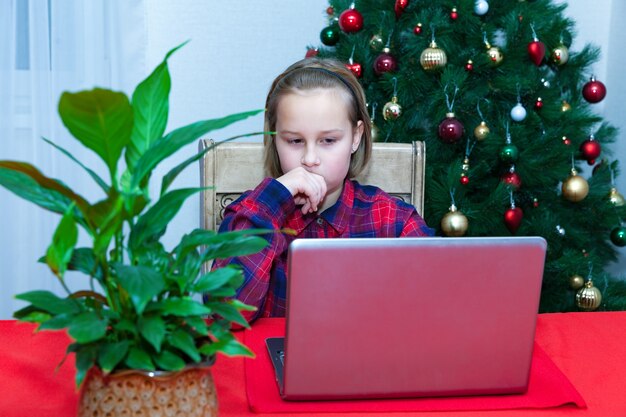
308, 189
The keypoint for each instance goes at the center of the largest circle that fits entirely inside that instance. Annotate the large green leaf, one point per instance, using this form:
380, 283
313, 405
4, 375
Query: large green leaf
150, 108
29, 183
178, 138
152, 328
64, 239
47, 301
142, 283
227, 344
96, 177
228, 311
153, 223
112, 354
88, 327
102, 120
179, 307
139, 359
169, 361
85, 359
242, 246
83, 260
217, 279
182, 340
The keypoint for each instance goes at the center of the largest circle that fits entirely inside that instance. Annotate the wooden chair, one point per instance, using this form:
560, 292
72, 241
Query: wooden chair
234, 167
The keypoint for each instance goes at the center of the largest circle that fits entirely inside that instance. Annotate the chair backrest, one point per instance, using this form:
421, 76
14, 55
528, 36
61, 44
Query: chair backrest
234, 167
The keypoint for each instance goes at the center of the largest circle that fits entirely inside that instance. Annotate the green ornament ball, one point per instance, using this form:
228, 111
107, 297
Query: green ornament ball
618, 236
330, 35
509, 153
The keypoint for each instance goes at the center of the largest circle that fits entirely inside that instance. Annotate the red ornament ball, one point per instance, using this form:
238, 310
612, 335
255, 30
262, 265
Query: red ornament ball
351, 21
590, 149
536, 51
356, 69
539, 103
399, 7
469, 66
330, 11
384, 63
454, 14
567, 141
464, 180
311, 52
450, 129
594, 91
512, 178
513, 218
418, 29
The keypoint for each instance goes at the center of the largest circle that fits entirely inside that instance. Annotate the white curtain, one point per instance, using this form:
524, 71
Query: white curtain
47, 47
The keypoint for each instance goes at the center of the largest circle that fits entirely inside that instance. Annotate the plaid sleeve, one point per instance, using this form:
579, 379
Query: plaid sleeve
267, 207
415, 226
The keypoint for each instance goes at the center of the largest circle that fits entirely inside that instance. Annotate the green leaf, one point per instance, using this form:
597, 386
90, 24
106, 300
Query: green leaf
83, 260
47, 301
150, 108
141, 282
85, 359
109, 226
139, 359
88, 327
102, 120
226, 344
27, 182
153, 223
57, 322
96, 177
173, 173
242, 306
198, 324
31, 314
242, 246
125, 325
65, 236
229, 312
217, 279
181, 307
112, 354
178, 138
182, 340
169, 361
152, 328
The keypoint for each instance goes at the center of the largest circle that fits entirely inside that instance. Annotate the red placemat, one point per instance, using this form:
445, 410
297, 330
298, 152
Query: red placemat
548, 387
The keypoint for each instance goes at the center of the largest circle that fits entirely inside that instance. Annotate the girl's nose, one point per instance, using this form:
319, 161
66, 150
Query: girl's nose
310, 157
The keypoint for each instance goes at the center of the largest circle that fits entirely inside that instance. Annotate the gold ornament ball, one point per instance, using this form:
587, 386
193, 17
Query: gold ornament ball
392, 110
616, 198
454, 223
560, 55
589, 297
481, 131
576, 282
375, 133
575, 188
565, 106
495, 55
433, 58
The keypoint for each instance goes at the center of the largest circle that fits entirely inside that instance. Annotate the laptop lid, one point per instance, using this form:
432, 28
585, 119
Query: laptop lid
385, 318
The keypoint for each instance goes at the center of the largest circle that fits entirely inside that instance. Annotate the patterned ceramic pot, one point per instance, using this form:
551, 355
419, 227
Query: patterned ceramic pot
189, 393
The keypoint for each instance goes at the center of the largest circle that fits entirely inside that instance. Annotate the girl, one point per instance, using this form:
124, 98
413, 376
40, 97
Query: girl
316, 108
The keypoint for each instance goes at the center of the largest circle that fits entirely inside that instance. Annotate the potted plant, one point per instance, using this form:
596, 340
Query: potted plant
140, 310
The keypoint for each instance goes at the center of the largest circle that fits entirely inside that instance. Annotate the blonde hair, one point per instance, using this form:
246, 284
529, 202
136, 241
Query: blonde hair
310, 74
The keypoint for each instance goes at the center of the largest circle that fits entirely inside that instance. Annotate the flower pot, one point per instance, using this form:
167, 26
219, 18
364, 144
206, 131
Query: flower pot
190, 392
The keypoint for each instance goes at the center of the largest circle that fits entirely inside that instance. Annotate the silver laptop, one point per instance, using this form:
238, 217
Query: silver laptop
410, 317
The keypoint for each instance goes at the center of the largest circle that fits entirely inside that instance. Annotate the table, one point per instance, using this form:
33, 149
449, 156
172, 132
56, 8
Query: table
590, 349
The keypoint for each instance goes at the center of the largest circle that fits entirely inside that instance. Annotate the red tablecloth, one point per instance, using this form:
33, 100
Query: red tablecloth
589, 348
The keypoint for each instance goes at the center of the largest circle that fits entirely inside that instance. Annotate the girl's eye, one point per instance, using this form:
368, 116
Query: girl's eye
294, 141
329, 141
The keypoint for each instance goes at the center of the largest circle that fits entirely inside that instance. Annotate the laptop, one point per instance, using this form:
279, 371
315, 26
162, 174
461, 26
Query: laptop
410, 317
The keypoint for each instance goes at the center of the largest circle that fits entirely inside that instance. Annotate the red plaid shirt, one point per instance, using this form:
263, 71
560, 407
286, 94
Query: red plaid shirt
361, 211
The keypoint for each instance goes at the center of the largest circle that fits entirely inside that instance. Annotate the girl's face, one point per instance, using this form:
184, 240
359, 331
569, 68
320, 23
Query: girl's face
313, 131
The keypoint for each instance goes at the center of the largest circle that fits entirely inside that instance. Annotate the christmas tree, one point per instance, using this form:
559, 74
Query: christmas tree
506, 111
